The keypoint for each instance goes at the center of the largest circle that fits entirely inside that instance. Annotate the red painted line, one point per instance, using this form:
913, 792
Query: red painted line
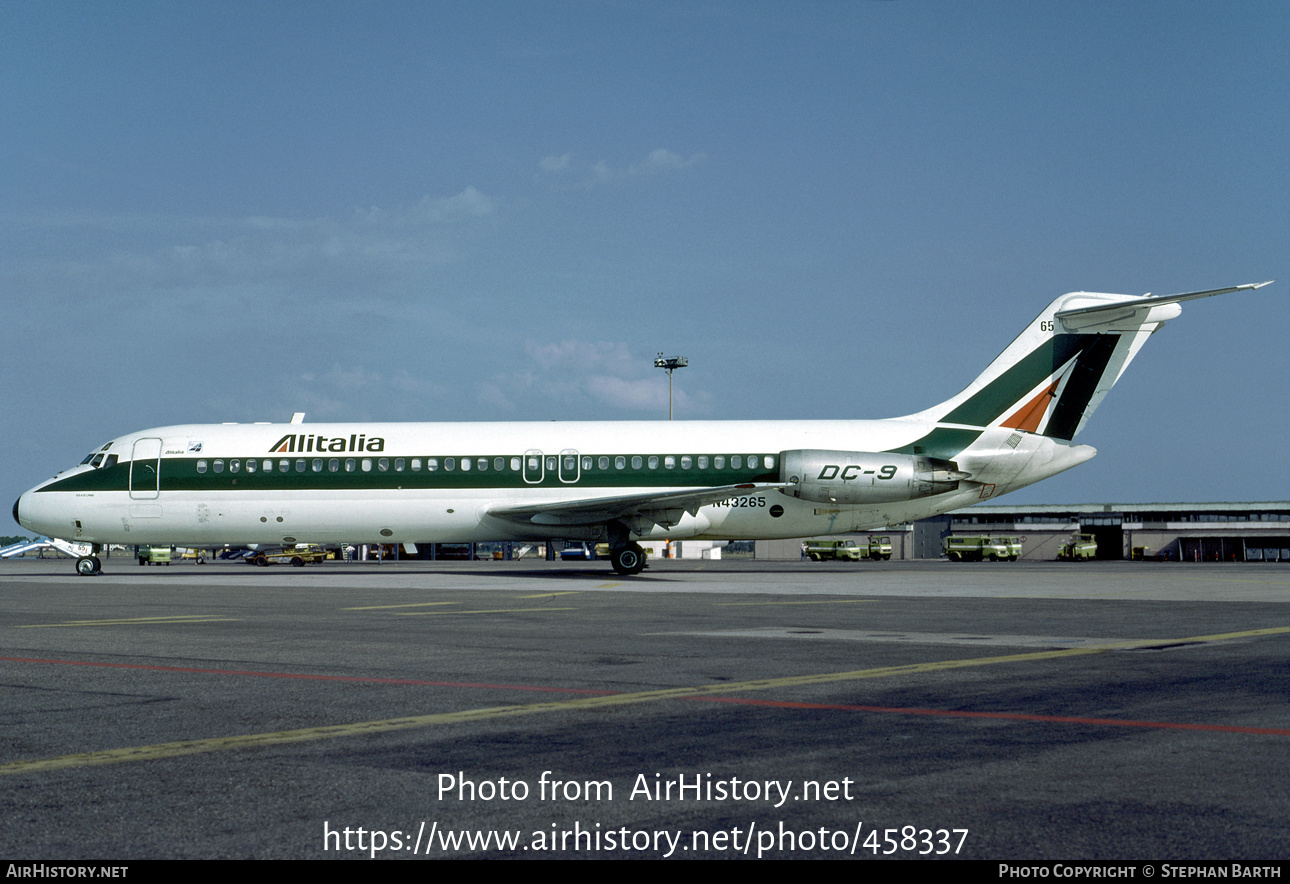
310, 677
1010, 716
739, 701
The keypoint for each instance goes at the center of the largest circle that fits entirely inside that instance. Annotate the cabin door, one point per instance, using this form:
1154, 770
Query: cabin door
145, 469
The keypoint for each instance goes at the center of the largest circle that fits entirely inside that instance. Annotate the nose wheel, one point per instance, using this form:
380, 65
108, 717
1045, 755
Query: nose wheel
629, 559
89, 566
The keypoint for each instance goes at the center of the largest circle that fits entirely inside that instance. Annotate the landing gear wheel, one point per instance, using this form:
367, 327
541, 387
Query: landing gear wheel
89, 566
629, 560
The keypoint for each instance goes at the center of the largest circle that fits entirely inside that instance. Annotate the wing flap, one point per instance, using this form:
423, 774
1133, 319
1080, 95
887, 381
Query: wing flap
662, 508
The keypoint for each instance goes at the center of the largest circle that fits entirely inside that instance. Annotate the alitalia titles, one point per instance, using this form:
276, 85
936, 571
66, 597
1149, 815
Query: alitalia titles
306, 442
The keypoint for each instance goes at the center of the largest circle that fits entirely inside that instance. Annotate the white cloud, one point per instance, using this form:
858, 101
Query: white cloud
664, 160
603, 172
556, 164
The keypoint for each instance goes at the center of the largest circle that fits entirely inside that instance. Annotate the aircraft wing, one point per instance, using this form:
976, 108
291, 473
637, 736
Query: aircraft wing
661, 508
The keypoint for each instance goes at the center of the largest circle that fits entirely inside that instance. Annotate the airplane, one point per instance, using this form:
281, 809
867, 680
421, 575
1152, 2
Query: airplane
615, 482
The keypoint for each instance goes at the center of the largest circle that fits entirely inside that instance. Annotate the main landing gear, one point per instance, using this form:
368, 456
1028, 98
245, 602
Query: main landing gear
629, 560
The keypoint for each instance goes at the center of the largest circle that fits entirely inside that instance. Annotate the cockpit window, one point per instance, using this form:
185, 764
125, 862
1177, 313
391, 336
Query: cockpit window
89, 457
98, 459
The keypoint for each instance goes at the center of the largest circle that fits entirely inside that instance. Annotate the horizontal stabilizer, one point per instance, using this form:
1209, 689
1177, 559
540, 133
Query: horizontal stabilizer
1079, 316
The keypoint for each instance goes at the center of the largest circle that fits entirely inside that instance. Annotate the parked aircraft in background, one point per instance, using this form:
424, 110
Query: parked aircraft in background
615, 482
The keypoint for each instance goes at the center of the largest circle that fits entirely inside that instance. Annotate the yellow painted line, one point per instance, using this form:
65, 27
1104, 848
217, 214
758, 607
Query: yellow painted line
390, 607
1218, 579
551, 595
491, 611
773, 604
390, 725
200, 618
608, 585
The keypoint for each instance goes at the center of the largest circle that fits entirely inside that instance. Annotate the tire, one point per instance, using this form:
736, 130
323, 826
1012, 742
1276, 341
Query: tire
262, 561
88, 566
297, 561
629, 560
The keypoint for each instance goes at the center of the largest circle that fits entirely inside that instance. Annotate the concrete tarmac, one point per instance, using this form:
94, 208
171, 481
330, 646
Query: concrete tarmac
703, 709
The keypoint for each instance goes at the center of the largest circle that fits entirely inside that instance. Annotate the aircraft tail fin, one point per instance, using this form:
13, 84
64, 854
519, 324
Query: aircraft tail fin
1053, 376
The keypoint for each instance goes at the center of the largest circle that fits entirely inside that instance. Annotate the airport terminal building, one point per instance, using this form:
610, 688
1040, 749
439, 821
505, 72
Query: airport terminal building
1180, 532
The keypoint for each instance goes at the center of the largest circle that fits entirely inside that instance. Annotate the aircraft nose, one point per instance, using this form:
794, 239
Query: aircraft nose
15, 510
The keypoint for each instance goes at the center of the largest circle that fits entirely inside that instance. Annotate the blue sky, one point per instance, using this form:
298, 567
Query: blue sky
503, 211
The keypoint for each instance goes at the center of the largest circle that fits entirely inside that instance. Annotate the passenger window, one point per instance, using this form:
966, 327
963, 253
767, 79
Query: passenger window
416, 464
669, 462
770, 461
432, 463
317, 464
620, 462
653, 461
201, 466
483, 463
465, 464
686, 462
636, 462
235, 466
333, 465
550, 464
515, 464
399, 464
719, 462
350, 463
587, 463
218, 466
250, 466
603, 463
301, 465
450, 463
284, 466
736, 462
367, 464
703, 461
499, 463
383, 464
752, 461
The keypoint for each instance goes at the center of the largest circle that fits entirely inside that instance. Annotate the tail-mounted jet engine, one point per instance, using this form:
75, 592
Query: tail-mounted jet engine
859, 477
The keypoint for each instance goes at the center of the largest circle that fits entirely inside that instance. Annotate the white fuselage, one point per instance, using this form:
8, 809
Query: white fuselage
332, 483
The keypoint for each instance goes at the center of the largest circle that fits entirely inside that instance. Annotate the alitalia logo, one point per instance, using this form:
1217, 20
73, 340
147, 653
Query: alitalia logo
293, 442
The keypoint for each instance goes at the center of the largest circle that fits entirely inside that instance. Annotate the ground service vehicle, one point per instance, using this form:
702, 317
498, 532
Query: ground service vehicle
977, 548
1080, 547
830, 550
154, 555
298, 556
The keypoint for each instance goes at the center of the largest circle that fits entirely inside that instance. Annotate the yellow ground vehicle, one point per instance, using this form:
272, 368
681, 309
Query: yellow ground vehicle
1081, 547
299, 555
154, 555
978, 548
848, 550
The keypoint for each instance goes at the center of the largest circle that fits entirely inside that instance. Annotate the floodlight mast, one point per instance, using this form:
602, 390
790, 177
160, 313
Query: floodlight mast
670, 365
